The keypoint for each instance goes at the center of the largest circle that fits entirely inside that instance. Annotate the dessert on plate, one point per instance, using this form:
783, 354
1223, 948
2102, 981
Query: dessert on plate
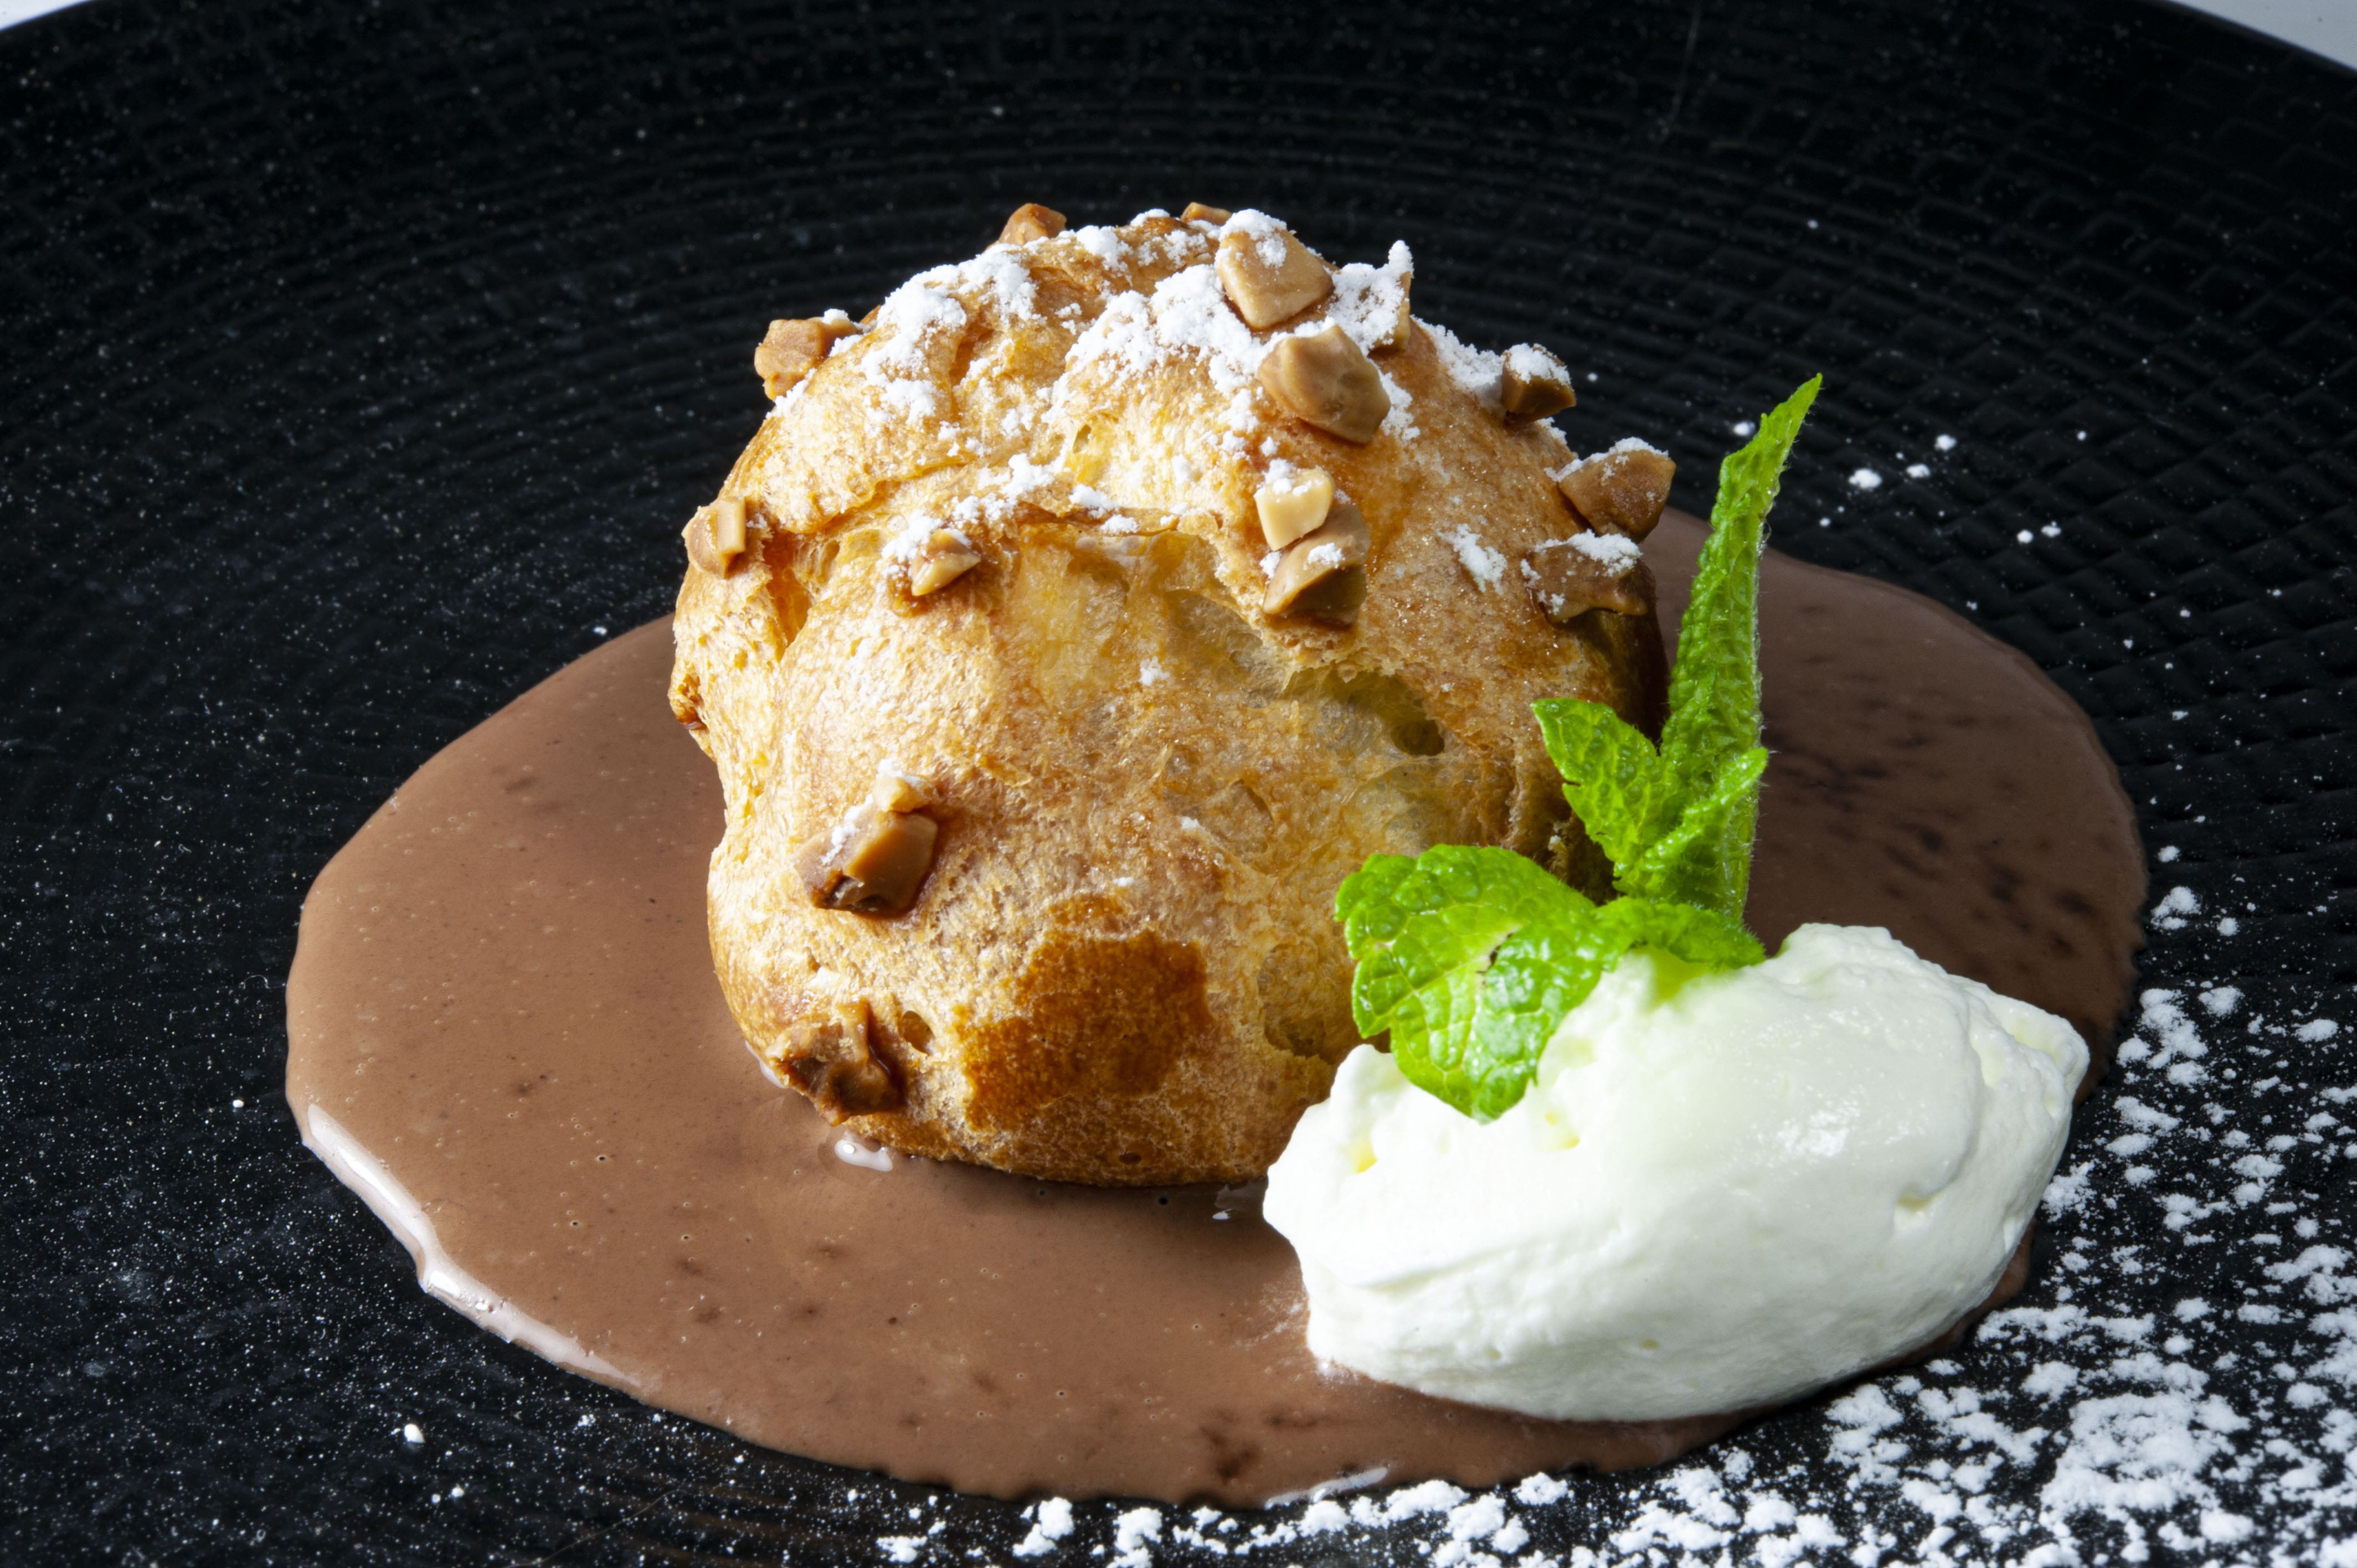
1168, 715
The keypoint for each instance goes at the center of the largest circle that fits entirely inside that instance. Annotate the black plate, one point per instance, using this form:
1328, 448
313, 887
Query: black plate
358, 364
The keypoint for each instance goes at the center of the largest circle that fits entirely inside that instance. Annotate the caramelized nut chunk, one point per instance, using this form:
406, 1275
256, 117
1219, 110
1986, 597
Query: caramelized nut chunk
1570, 578
1326, 381
887, 865
1031, 222
897, 789
831, 1059
933, 562
715, 536
1197, 213
872, 863
1291, 501
793, 349
944, 558
1268, 274
818, 860
1533, 384
1622, 491
1323, 573
728, 524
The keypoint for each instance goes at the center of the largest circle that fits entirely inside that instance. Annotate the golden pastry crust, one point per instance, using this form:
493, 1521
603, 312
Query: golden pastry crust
1122, 967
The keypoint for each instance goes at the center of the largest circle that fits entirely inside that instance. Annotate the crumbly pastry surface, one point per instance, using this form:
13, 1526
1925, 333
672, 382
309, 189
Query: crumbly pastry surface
993, 577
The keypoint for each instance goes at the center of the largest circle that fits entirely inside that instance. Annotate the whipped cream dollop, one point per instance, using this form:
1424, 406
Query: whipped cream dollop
1723, 1190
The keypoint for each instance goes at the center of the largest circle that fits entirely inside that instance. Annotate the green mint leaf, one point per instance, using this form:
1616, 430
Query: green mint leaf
1703, 937
1613, 777
1535, 977
1471, 957
1713, 709
1424, 933
1705, 859
1365, 902
1538, 975
1408, 922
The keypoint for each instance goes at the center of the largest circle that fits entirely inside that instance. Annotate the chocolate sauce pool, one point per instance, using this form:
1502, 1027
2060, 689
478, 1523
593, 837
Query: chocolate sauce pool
505, 1035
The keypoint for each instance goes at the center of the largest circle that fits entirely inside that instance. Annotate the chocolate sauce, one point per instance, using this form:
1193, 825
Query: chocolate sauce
505, 1035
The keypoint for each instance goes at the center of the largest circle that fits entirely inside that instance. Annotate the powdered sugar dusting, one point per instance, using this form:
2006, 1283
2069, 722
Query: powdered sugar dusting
1051, 1520
1024, 477
1617, 552
1399, 423
1089, 499
997, 274
910, 537
1186, 315
1621, 448
1370, 304
909, 315
1104, 244
1531, 361
1484, 564
1266, 234
1476, 371
896, 354
913, 318
2176, 908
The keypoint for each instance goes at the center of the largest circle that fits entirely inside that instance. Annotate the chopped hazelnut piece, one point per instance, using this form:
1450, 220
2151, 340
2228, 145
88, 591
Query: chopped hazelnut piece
871, 863
1197, 213
898, 790
1533, 384
793, 349
1323, 573
715, 536
1031, 222
887, 864
726, 522
1570, 578
1270, 275
874, 860
1326, 381
830, 1058
1292, 501
1622, 490
942, 560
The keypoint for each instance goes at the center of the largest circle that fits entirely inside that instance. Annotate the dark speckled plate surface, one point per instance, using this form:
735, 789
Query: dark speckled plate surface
359, 362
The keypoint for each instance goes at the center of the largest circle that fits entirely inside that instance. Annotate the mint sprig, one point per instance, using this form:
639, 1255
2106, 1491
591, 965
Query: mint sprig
1471, 957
